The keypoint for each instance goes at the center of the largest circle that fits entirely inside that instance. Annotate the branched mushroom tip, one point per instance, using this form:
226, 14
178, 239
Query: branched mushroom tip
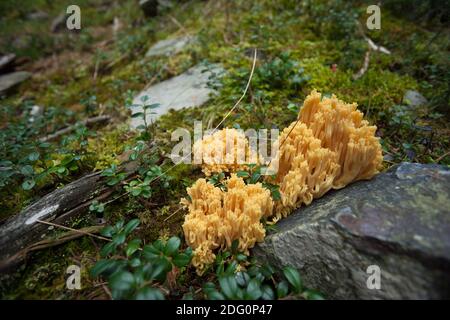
223, 151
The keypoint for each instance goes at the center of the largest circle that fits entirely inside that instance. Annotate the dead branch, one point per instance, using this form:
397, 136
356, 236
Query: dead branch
48, 243
87, 122
364, 68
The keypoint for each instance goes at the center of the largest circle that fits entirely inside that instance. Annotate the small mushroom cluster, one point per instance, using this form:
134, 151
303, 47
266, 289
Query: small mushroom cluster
216, 218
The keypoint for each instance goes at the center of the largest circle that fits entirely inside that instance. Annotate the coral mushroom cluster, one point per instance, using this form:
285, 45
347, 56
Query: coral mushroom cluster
216, 218
328, 147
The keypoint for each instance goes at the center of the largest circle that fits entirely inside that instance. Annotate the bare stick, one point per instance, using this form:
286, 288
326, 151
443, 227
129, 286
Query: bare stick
87, 122
73, 230
173, 214
364, 68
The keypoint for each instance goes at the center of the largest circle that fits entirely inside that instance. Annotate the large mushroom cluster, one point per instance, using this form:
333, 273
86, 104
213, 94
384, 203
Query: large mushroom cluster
327, 147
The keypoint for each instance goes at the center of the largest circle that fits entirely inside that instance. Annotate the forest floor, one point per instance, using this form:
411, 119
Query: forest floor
97, 70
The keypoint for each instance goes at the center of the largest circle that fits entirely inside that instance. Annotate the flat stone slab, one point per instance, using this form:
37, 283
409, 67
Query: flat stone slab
170, 46
399, 221
189, 89
414, 99
9, 80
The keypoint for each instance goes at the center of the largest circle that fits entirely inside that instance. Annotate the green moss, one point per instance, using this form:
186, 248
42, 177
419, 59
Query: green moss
107, 146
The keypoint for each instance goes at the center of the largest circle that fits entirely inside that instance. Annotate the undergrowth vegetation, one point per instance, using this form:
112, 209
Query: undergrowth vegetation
302, 45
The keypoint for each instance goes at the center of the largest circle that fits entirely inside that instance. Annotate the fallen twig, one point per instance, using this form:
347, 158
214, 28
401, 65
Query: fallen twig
173, 214
442, 157
48, 243
364, 68
372, 46
73, 230
87, 122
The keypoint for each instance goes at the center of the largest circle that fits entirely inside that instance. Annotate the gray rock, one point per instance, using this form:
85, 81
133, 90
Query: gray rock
6, 61
186, 90
414, 99
399, 221
149, 7
10, 80
170, 46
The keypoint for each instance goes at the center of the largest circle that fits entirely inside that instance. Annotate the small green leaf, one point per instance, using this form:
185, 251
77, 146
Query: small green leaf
209, 286
150, 252
231, 268
44, 145
119, 239
137, 115
107, 231
181, 260
101, 267
27, 170
267, 271
172, 246
234, 245
282, 289
107, 249
152, 106
242, 278
294, 279
135, 262
28, 184
136, 191
267, 293
215, 295
253, 291
122, 281
255, 177
229, 286
243, 174
131, 225
148, 293
159, 245
220, 269
119, 225
33, 156
133, 246
241, 257
313, 295
161, 267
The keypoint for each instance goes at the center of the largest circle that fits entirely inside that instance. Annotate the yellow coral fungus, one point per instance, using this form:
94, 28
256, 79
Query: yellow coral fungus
225, 150
216, 218
305, 169
328, 147
340, 127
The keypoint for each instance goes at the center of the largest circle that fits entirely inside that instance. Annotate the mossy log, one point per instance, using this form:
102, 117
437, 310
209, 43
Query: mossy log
23, 229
